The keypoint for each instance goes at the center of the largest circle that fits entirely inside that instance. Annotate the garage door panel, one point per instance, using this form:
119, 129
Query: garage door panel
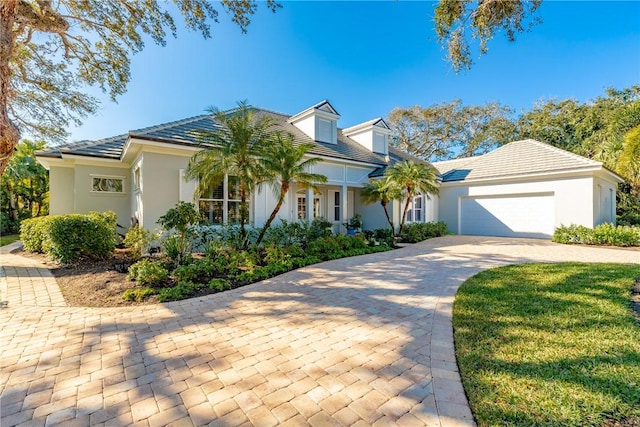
508, 215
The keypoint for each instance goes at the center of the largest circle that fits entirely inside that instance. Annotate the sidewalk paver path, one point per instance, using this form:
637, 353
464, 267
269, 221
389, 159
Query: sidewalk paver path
353, 342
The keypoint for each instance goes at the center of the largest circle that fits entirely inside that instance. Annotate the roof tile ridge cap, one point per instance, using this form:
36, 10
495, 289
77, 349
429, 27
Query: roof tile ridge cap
562, 151
266, 110
163, 126
364, 124
411, 156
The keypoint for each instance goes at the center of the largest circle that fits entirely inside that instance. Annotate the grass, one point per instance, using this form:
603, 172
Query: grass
9, 238
550, 344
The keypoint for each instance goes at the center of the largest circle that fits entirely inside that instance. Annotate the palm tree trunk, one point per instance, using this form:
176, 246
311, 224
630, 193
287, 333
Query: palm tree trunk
284, 188
386, 212
9, 133
406, 208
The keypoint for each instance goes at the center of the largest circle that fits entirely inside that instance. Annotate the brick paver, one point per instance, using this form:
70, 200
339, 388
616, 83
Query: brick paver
358, 341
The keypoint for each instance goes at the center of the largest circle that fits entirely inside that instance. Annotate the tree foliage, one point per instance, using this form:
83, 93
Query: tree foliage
413, 178
25, 186
449, 130
284, 163
233, 149
381, 191
51, 49
629, 163
460, 21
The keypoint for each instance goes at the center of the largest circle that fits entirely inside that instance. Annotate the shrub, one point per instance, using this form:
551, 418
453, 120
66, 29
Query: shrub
138, 240
603, 234
199, 270
219, 284
182, 290
418, 231
146, 272
331, 247
629, 219
33, 233
138, 294
69, 238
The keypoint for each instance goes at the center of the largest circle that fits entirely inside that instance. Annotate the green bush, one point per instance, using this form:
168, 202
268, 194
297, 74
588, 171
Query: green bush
330, 247
147, 272
33, 233
219, 284
418, 231
629, 219
138, 294
199, 270
603, 234
138, 240
69, 238
182, 290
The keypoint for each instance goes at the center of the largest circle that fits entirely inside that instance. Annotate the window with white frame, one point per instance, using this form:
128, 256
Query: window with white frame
220, 204
325, 129
107, 184
416, 209
302, 205
336, 206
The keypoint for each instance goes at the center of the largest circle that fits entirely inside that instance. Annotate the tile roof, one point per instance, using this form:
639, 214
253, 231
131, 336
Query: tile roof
184, 132
516, 158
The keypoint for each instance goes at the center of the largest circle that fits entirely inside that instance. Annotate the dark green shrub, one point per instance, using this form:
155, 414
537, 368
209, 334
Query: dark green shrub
330, 247
182, 290
603, 234
138, 294
418, 231
147, 272
629, 218
199, 270
69, 238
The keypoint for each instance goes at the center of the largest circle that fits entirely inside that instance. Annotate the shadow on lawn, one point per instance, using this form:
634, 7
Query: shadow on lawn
574, 337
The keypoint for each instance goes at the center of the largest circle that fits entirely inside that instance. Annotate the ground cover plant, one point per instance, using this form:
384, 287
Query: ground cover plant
8, 238
550, 344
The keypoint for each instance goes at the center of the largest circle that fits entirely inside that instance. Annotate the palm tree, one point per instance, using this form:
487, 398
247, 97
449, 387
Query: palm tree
379, 190
232, 149
413, 178
629, 162
283, 162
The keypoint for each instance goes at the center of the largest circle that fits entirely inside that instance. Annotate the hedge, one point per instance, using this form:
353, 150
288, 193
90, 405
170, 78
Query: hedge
418, 231
603, 234
69, 238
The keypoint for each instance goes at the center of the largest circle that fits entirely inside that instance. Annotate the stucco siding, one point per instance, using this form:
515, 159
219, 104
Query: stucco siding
161, 183
87, 200
61, 190
604, 201
573, 198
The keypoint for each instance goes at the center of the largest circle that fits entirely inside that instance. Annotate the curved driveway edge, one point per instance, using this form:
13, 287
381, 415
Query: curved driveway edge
359, 341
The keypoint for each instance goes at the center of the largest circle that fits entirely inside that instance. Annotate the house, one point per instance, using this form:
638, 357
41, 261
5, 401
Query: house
525, 188
140, 175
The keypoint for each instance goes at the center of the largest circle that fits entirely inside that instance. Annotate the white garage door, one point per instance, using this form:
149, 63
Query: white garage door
530, 215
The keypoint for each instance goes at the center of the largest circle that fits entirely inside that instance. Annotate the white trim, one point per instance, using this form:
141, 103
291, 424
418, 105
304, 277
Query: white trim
531, 176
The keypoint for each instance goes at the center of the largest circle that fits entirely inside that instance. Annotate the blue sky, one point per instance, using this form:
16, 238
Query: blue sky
367, 58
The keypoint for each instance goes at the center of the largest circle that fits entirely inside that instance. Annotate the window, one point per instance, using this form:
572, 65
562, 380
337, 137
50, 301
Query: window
302, 205
137, 179
415, 212
379, 143
107, 184
324, 130
221, 204
336, 206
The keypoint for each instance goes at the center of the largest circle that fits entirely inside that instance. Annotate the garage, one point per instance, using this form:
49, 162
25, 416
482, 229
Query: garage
511, 215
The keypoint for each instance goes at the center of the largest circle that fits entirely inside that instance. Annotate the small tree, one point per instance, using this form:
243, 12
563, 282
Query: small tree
413, 178
233, 149
284, 163
382, 191
177, 221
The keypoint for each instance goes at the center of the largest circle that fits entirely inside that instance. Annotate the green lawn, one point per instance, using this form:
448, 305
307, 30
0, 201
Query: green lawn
9, 238
550, 344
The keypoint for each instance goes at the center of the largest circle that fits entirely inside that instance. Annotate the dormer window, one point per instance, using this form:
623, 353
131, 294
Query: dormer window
373, 135
319, 122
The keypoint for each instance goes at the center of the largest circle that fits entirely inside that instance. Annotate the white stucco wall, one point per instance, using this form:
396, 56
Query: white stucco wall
574, 201
161, 184
604, 201
87, 200
61, 190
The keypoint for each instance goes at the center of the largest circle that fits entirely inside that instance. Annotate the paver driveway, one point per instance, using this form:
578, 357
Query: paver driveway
358, 341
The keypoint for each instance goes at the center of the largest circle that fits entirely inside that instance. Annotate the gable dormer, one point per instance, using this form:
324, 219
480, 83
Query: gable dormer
319, 122
373, 135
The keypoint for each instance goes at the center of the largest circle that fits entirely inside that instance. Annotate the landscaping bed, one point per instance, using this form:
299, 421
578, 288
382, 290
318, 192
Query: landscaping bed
550, 344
